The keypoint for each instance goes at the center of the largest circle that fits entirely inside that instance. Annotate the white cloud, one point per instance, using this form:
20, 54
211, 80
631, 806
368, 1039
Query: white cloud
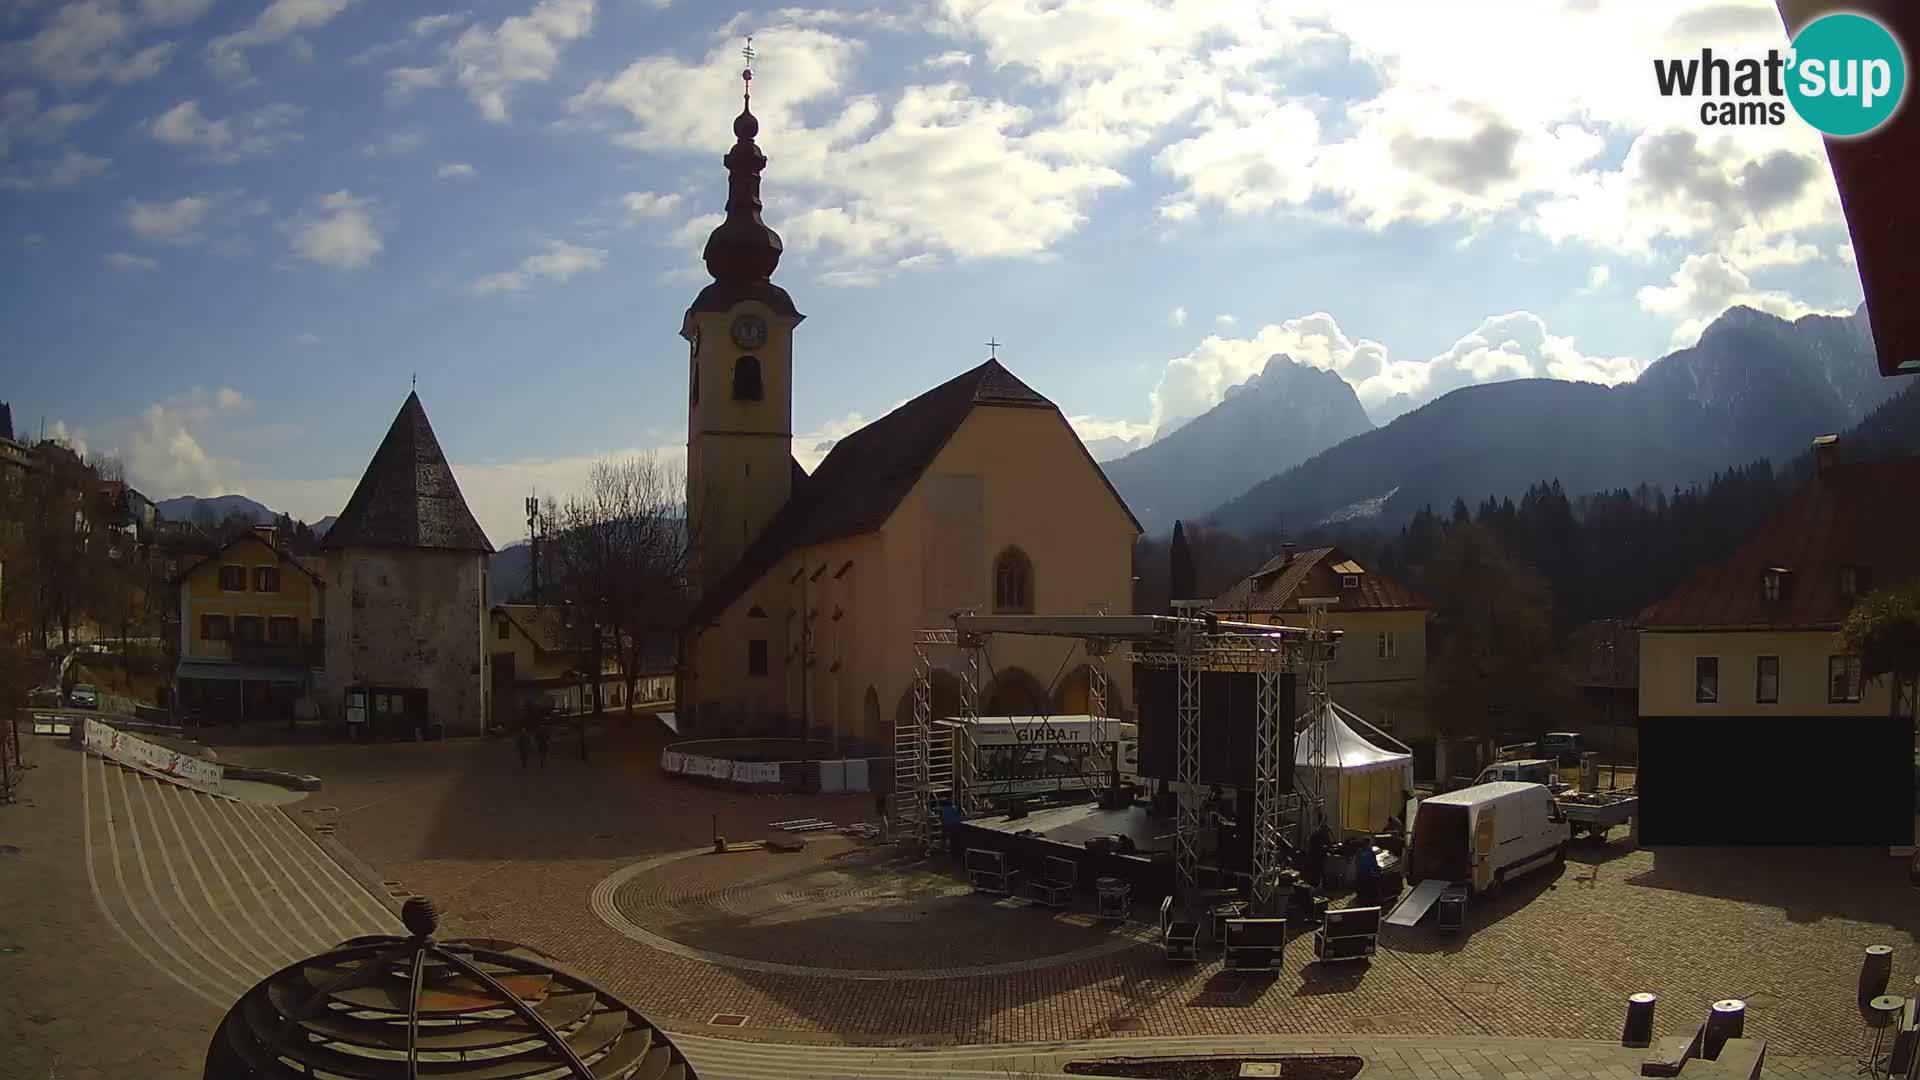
455, 170
120, 260
644, 205
559, 262
1597, 278
339, 232
33, 239
954, 59
1845, 254
429, 25
71, 167
22, 119
1224, 320
869, 182
1178, 317
403, 82
281, 20
162, 448
176, 221
489, 63
85, 42
1706, 285
1511, 346
810, 448
1107, 439
247, 135
306, 339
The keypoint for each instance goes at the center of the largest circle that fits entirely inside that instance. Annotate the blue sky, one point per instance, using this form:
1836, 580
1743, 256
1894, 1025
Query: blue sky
237, 230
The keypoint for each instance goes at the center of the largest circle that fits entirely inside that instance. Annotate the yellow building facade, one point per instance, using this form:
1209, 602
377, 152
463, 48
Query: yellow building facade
252, 629
977, 495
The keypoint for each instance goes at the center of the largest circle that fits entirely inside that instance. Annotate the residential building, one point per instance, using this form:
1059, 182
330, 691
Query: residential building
406, 573
1754, 635
538, 662
976, 495
251, 630
1381, 664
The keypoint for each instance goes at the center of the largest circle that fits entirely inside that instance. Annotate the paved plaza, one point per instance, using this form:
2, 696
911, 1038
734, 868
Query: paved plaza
149, 907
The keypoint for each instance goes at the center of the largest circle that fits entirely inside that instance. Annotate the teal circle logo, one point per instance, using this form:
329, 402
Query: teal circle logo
1847, 74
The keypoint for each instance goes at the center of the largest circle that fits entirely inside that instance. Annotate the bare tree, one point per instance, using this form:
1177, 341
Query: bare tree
616, 557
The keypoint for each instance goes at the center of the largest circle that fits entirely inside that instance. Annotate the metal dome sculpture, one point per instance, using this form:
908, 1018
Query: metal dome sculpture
401, 1008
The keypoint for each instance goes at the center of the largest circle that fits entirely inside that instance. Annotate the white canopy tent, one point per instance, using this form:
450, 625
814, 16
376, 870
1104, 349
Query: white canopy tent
1364, 783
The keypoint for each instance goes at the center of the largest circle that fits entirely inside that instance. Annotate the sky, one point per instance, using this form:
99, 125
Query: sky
238, 232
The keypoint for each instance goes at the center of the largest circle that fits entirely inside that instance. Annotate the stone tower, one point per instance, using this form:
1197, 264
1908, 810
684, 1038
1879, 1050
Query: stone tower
406, 592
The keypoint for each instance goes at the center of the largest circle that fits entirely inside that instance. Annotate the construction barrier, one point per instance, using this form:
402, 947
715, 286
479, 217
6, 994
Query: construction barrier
152, 758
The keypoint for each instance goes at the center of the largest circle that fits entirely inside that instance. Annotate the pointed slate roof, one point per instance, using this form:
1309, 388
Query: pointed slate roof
867, 474
408, 498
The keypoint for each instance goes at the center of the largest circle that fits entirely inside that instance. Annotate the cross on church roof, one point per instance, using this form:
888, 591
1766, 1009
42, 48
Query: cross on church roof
994, 349
746, 74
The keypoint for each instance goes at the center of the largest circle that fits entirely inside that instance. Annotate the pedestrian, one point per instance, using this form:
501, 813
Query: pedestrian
525, 742
540, 742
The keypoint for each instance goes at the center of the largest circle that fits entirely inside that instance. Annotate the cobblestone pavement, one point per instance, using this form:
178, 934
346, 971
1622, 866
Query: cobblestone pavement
519, 854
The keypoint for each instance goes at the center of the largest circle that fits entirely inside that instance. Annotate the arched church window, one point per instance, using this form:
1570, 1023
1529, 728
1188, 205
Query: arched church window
1012, 582
746, 379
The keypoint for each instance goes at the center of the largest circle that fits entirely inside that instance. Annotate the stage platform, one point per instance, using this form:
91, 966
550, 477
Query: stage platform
1075, 825
1062, 832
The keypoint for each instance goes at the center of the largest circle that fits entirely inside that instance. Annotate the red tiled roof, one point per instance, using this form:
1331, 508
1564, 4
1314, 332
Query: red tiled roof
1280, 585
1863, 515
867, 474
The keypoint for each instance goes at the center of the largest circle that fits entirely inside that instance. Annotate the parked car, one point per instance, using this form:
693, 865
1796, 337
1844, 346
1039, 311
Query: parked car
83, 696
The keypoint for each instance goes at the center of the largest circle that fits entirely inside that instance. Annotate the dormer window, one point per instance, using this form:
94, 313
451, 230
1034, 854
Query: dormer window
1855, 582
1773, 584
746, 379
1349, 581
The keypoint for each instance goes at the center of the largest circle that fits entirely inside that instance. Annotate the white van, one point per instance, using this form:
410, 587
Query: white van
1486, 835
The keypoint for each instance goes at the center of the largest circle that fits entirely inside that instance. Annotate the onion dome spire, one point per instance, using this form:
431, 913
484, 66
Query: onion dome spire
742, 248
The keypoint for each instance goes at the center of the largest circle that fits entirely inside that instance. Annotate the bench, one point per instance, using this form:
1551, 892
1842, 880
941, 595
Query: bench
1055, 887
989, 873
1180, 939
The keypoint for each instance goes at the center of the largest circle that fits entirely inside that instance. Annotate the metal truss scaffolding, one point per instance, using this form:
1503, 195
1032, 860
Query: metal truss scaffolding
1190, 645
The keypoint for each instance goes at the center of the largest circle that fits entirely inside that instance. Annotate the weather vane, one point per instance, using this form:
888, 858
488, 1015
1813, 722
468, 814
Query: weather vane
994, 347
746, 74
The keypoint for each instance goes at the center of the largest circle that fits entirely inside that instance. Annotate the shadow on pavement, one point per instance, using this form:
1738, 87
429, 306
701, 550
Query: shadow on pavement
1806, 884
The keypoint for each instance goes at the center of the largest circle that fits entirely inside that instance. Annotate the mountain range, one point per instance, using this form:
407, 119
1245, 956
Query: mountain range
1282, 416
1754, 386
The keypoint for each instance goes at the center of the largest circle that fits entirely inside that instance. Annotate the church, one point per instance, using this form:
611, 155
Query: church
977, 495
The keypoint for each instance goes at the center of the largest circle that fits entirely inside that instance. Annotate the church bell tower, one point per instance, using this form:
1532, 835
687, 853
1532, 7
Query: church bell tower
740, 373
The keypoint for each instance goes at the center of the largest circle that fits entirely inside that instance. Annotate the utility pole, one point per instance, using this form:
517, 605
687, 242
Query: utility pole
533, 543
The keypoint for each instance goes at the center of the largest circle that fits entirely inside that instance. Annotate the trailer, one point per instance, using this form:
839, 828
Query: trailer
1593, 813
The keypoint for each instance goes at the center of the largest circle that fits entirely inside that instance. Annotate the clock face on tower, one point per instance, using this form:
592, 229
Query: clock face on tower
750, 331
